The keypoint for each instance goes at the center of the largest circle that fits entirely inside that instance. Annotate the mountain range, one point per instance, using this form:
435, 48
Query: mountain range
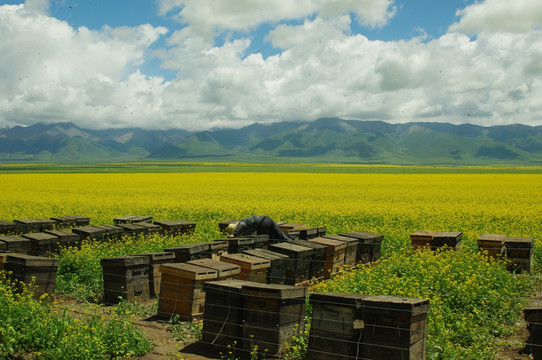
325, 140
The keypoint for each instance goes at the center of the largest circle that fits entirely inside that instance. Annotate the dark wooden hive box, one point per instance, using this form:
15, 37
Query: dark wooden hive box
281, 264
187, 252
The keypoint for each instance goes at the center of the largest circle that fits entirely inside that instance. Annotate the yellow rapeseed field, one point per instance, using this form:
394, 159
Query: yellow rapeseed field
390, 204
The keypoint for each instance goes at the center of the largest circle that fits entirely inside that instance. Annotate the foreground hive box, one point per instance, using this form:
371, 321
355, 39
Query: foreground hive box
36, 270
318, 258
181, 290
349, 326
301, 257
272, 315
519, 252
493, 244
125, 277
223, 314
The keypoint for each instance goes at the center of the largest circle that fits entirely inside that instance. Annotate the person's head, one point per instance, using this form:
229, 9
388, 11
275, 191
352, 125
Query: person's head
231, 228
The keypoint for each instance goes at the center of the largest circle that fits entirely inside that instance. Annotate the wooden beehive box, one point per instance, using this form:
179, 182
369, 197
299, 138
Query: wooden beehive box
125, 277
336, 326
150, 228
493, 244
67, 239
36, 225
334, 256
111, 231
367, 240
308, 233
187, 252
90, 232
3, 258
281, 264
155, 276
292, 234
422, 239
7, 227
272, 314
15, 244
225, 270
238, 244
132, 229
318, 258
36, 270
391, 317
301, 257
519, 247
447, 239
132, 219
181, 290
217, 248
42, 243
223, 314
252, 268
70, 221
176, 227
533, 316
261, 241
351, 249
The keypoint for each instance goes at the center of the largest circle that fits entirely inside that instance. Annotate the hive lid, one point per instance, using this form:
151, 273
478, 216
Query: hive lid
336, 244
291, 247
411, 305
246, 261
448, 235
364, 235
274, 291
266, 254
227, 285
336, 298
29, 260
189, 271
42, 238
318, 248
127, 260
223, 268
348, 239
13, 239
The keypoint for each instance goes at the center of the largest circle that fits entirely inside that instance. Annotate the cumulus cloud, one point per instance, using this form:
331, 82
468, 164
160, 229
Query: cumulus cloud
53, 72
500, 16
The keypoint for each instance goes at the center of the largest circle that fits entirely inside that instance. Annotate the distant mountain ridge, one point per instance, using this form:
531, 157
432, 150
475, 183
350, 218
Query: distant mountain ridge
323, 140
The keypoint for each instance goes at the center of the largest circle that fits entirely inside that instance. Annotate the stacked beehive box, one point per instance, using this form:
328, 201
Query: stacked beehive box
66, 238
272, 314
125, 277
334, 255
351, 249
90, 232
15, 244
280, 264
217, 248
252, 268
42, 244
111, 231
519, 252
223, 314
224, 270
36, 270
336, 326
300, 256
70, 221
318, 258
422, 239
36, 225
533, 316
155, 276
368, 242
132, 219
238, 244
492, 244
187, 252
181, 290
176, 227
394, 327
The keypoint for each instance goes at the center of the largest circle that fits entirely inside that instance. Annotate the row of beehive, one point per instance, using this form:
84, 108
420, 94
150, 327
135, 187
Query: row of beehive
517, 250
343, 326
48, 241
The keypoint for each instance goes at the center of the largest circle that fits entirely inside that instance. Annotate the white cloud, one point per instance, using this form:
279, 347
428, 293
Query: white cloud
500, 16
53, 72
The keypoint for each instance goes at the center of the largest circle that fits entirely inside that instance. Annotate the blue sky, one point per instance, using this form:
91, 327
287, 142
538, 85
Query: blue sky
199, 64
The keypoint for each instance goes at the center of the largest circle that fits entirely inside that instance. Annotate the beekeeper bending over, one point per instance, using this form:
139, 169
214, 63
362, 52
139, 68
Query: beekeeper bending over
257, 224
